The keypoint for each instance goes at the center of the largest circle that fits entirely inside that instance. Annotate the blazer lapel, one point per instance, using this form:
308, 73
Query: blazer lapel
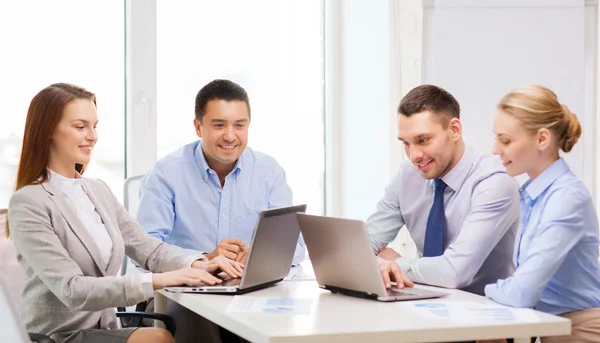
76, 225
116, 256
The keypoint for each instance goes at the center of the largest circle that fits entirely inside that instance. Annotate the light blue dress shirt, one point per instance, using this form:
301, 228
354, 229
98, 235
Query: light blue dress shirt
182, 202
556, 250
481, 205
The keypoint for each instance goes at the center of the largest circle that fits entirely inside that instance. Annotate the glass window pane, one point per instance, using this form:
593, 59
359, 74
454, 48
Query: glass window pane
273, 49
79, 42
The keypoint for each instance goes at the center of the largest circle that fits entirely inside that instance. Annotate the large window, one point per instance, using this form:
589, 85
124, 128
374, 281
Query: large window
274, 50
79, 42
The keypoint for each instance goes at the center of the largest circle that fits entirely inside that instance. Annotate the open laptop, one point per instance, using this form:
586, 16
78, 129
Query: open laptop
343, 260
270, 257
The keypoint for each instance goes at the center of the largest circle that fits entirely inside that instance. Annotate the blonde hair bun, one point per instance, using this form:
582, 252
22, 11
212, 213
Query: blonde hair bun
573, 131
537, 107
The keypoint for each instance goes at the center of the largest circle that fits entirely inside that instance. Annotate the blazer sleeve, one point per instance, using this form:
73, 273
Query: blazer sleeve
41, 250
147, 251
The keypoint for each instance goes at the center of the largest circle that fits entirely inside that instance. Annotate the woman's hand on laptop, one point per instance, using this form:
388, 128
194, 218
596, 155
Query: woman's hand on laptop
188, 276
390, 271
221, 263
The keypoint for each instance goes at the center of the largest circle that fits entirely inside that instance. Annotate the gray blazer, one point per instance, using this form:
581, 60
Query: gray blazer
68, 286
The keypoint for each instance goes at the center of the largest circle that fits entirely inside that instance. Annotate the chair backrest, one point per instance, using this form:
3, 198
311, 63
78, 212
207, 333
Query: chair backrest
11, 325
131, 196
131, 202
11, 272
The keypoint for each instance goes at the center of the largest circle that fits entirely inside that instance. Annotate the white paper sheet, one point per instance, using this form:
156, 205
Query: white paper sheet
249, 304
468, 311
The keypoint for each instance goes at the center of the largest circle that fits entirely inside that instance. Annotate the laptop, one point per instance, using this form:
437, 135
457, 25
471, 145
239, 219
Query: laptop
342, 258
269, 259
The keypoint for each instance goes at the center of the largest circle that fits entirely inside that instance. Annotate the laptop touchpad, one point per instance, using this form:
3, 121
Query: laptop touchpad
397, 291
231, 282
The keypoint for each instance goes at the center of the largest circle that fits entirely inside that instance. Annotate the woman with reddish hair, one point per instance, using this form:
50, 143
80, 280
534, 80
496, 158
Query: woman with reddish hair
71, 233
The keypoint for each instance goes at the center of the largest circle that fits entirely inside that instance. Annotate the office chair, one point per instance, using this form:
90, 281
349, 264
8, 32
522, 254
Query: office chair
12, 328
131, 202
11, 284
131, 194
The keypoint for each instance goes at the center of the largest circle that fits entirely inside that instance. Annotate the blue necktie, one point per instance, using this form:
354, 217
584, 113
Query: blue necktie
434, 234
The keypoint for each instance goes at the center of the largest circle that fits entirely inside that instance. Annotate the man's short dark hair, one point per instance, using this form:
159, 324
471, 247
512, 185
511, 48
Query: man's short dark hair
219, 90
430, 98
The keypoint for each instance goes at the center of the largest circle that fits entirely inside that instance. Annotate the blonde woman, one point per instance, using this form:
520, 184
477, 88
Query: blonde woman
556, 248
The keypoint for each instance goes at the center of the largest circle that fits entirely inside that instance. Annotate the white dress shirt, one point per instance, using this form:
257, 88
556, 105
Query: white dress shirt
72, 189
481, 205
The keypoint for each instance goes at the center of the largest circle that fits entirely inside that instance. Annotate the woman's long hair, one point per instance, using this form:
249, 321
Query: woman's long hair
44, 114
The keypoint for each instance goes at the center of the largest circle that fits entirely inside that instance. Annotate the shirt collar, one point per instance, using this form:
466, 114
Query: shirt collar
62, 183
205, 169
457, 175
533, 188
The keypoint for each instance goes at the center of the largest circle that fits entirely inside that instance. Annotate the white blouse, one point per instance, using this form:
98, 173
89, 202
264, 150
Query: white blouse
86, 212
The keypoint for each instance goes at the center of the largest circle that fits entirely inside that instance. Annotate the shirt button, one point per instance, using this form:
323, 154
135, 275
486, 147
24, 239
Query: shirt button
223, 215
220, 190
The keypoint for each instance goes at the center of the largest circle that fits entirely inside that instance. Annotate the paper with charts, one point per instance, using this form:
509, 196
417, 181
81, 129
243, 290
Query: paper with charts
469, 311
249, 304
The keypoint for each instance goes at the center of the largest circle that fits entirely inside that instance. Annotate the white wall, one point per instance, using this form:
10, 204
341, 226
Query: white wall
479, 50
478, 57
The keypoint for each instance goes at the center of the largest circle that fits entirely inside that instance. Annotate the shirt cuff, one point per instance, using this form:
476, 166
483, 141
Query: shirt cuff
404, 263
146, 285
191, 259
488, 290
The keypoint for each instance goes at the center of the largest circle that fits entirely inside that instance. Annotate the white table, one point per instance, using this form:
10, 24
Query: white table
339, 318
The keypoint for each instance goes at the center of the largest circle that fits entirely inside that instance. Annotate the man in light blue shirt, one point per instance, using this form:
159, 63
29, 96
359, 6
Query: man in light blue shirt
459, 206
207, 195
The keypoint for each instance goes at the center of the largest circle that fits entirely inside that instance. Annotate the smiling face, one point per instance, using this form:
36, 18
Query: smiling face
432, 148
75, 136
224, 133
517, 147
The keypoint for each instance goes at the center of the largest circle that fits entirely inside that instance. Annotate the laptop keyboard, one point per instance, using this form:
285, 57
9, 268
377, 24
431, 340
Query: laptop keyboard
231, 282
